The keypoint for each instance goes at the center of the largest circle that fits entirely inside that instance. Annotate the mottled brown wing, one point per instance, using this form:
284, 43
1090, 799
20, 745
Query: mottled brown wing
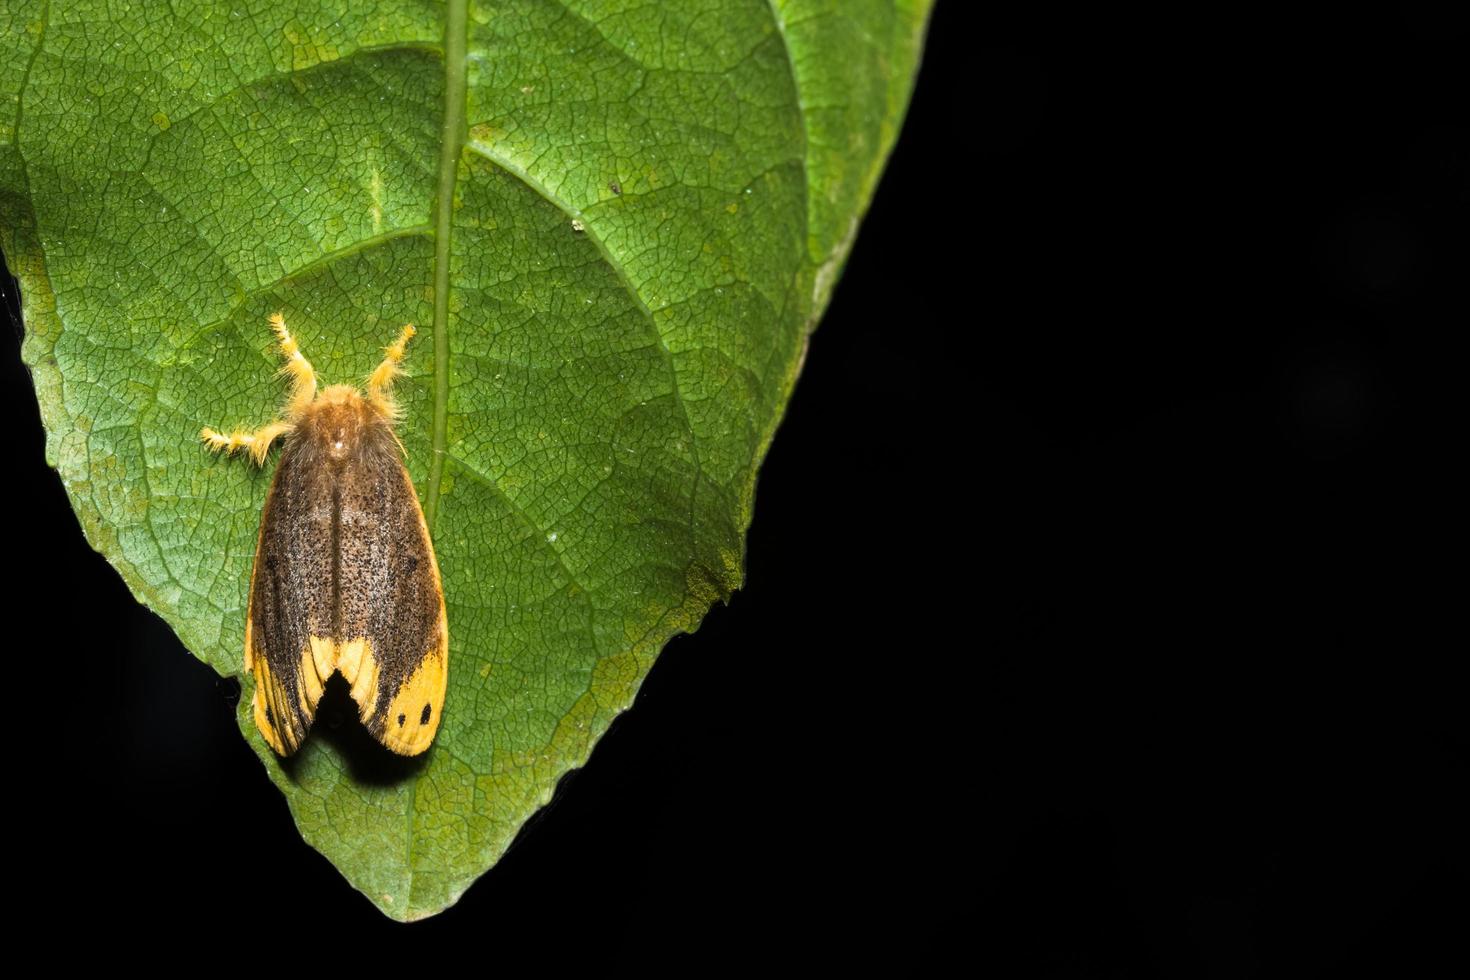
345, 580
292, 600
392, 635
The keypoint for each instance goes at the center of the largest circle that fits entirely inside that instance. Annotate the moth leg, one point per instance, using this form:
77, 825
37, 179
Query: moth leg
257, 443
384, 374
303, 375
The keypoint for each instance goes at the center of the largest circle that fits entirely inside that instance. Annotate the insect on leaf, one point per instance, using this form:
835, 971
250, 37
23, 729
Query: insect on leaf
614, 226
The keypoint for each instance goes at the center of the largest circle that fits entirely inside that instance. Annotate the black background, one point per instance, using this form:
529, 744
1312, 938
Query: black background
1095, 620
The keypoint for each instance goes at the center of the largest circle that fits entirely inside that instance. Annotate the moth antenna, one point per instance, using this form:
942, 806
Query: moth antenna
297, 367
383, 376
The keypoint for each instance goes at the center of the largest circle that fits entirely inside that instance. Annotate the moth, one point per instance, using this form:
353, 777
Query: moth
345, 579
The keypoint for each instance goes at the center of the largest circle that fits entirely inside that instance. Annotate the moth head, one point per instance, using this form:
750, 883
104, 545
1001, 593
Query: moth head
338, 419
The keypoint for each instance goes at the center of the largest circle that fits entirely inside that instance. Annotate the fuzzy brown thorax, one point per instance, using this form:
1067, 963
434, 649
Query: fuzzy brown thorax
338, 423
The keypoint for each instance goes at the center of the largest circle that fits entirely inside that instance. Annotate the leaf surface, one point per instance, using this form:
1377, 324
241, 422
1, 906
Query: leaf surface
615, 224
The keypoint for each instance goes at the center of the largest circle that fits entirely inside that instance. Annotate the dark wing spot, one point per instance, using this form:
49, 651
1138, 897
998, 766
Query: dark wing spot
400, 720
424, 718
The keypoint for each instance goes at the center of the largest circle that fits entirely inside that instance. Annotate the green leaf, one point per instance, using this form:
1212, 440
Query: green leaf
615, 224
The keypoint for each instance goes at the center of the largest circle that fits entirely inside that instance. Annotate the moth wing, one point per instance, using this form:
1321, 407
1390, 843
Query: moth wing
288, 629
394, 642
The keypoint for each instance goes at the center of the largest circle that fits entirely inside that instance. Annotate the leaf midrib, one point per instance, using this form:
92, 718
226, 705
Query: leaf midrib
451, 145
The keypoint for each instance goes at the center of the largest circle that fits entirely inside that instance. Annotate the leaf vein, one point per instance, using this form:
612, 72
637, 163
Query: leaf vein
800, 115
452, 136
538, 532
622, 274
324, 65
315, 265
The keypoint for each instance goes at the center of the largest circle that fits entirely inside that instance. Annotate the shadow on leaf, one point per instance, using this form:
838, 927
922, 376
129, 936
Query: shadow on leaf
368, 761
